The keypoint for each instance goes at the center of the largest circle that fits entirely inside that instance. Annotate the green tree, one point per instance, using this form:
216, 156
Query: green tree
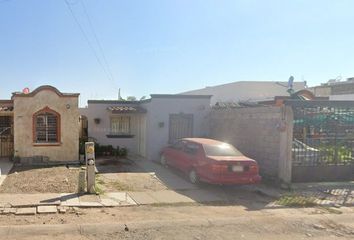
131, 98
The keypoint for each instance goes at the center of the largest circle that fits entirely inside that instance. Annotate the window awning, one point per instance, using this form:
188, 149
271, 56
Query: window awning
126, 109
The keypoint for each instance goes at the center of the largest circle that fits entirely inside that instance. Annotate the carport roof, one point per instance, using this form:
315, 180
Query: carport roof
6, 109
6, 106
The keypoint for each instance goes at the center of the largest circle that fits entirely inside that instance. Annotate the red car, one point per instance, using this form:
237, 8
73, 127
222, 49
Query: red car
210, 161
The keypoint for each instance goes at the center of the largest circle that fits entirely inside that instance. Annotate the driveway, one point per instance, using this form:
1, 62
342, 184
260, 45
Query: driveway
247, 196
253, 197
171, 178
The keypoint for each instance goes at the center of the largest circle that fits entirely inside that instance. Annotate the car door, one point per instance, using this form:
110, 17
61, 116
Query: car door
174, 153
189, 156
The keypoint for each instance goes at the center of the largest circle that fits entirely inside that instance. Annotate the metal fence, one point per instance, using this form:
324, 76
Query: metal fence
6, 146
6, 136
323, 133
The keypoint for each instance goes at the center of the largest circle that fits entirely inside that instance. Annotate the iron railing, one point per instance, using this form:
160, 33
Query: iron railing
323, 133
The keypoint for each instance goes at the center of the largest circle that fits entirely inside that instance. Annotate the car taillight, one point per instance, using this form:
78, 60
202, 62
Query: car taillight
254, 168
218, 168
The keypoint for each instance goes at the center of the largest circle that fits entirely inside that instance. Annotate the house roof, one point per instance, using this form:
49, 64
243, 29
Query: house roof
126, 109
6, 109
246, 91
188, 96
6, 106
112, 102
181, 96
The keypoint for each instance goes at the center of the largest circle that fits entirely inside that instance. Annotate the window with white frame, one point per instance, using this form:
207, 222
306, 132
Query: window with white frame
120, 125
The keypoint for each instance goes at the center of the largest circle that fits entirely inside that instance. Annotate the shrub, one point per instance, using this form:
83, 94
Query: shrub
104, 150
123, 152
116, 151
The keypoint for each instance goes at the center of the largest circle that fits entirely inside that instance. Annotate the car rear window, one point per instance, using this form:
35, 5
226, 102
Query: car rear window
223, 149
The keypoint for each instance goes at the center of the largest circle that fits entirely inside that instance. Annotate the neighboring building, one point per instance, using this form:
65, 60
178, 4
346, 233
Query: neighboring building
40, 126
304, 95
321, 91
144, 127
252, 91
335, 89
342, 97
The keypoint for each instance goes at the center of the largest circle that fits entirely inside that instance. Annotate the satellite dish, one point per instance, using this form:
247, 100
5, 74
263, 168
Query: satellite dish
26, 90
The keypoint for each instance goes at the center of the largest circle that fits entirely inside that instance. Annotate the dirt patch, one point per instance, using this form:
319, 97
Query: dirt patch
124, 181
124, 175
58, 179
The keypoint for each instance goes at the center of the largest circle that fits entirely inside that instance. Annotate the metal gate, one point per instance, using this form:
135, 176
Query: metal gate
181, 126
323, 141
6, 136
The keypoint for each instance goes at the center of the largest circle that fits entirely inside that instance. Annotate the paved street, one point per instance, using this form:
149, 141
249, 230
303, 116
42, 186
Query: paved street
184, 222
179, 210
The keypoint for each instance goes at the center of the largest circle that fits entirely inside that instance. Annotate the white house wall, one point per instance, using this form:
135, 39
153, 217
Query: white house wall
100, 131
159, 110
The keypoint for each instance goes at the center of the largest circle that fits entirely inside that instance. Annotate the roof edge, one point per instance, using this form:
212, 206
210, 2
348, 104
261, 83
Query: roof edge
112, 102
241, 82
179, 96
6, 101
42, 88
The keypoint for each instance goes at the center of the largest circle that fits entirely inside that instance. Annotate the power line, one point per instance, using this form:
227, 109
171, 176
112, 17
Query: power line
87, 39
96, 39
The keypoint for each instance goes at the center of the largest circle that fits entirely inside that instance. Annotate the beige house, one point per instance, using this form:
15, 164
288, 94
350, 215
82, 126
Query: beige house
40, 126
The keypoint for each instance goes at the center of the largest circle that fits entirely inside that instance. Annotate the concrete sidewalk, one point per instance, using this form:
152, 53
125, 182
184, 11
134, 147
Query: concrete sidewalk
41, 203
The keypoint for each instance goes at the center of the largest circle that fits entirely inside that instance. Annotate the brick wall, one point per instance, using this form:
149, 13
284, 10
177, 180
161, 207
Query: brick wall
257, 132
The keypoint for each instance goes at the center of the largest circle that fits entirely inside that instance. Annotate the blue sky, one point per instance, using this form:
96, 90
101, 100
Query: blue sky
161, 46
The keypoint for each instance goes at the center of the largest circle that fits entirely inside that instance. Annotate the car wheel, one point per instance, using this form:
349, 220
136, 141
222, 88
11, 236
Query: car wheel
193, 176
163, 160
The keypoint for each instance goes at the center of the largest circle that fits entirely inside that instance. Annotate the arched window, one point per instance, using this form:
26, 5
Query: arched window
46, 126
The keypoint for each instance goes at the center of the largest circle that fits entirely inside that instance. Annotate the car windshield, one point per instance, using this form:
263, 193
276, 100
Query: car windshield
223, 149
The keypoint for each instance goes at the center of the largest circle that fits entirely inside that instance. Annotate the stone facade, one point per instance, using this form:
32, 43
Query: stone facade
261, 133
46, 97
